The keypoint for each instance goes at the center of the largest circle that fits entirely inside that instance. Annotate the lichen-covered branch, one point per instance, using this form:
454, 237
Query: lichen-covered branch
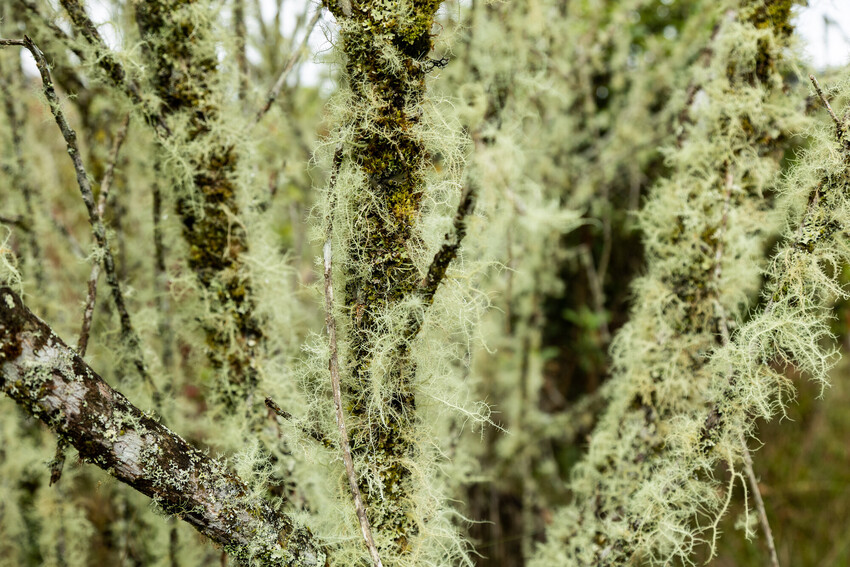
374, 209
448, 251
128, 333
52, 383
184, 71
638, 497
106, 60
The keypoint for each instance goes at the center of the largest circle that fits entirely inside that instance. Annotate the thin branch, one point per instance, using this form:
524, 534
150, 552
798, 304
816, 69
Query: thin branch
284, 75
16, 220
105, 185
754, 484
60, 34
447, 253
822, 96
54, 384
272, 405
109, 174
340, 418
241, 35
19, 177
597, 291
69, 237
58, 461
127, 331
109, 64
161, 276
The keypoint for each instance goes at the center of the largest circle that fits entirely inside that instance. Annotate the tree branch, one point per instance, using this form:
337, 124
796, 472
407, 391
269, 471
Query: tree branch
127, 332
105, 186
448, 251
333, 365
110, 65
51, 382
296, 55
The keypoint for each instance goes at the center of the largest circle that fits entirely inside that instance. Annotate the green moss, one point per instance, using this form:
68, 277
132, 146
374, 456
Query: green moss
385, 43
184, 75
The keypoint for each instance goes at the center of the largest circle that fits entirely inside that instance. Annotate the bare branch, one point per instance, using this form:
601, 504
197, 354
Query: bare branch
296, 55
340, 418
127, 332
822, 96
51, 382
272, 405
444, 256
754, 484
101, 207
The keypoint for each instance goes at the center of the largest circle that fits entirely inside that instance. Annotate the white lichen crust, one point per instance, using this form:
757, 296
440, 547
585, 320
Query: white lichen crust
52, 383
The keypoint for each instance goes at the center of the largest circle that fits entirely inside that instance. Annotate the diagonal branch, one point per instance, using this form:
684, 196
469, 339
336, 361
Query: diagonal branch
52, 383
296, 55
448, 251
127, 332
754, 484
110, 65
105, 185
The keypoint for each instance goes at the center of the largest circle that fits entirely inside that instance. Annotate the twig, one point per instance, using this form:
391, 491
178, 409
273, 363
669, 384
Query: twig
448, 251
58, 461
754, 484
60, 34
296, 55
105, 185
20, 179
272, 405
16, 220
839, 132
161, 276
127, 332
241, 58
596, 290
72, 241
333, 364
109, 64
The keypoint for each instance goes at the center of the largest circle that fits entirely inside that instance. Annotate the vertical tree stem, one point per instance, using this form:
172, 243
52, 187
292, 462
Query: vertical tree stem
333, 365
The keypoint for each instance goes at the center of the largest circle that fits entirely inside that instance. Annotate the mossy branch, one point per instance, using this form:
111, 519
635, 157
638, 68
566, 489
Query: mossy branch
109, 64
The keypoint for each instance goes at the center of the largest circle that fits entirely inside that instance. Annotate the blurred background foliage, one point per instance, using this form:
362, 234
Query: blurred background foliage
567, 103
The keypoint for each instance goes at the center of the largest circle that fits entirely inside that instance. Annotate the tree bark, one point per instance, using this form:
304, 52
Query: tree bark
47, 378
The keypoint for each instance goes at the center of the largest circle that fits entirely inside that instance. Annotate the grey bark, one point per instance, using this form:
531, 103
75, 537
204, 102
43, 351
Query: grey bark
51, 382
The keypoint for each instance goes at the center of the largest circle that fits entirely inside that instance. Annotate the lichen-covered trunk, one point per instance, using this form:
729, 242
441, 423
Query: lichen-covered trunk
52, 383
184, 74
386, 45
705, 229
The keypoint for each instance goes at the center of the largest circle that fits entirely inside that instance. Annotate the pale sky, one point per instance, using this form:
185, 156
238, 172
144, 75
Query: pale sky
824, 27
